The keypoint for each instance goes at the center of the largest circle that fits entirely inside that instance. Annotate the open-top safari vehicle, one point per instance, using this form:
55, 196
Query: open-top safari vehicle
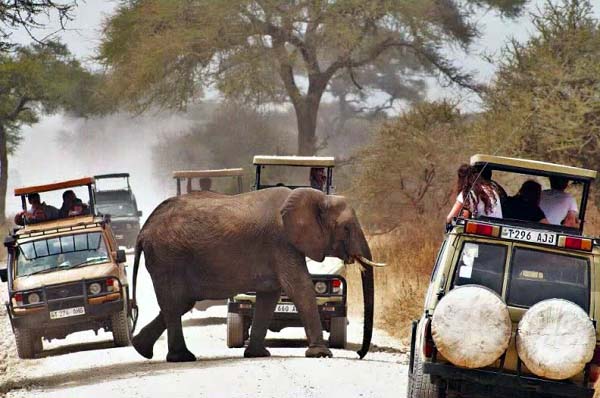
114, 197
330, 287
65, 273
512, 305
227, 181
205, 180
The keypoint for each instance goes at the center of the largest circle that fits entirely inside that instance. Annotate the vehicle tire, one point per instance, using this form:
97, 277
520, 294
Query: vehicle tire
419, 384
337, 332
27, 342
121, 328
235, 330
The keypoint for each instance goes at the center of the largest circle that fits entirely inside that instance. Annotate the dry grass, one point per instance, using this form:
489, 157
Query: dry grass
400, 287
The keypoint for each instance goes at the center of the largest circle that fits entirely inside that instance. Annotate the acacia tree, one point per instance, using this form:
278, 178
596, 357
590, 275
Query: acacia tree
26, 14
545, 100
167, 51
42, 78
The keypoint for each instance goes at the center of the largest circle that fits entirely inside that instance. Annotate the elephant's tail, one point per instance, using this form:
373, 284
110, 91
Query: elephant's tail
136, 265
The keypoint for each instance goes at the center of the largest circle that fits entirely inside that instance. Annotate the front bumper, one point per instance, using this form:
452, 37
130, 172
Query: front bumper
492, 383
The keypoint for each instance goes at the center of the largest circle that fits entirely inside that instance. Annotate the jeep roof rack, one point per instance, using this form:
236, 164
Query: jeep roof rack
54, 186
113, 175
532, 167
208, 173
306, 161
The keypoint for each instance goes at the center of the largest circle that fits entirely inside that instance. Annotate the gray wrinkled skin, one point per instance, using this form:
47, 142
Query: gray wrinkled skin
210, 246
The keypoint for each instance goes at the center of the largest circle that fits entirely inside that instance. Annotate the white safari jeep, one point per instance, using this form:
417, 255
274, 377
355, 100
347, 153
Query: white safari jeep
330, 286
512, 306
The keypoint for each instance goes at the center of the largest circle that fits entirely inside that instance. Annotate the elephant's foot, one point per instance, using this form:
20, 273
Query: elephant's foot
254, 352
318, 352
144, 349
181, 356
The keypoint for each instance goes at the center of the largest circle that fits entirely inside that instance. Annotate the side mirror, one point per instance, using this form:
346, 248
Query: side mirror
3, 274
139, 213
121, 257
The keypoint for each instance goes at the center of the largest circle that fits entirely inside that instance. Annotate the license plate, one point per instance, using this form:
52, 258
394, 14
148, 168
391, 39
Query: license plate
119, 236
526, 235
67, 312
289, 308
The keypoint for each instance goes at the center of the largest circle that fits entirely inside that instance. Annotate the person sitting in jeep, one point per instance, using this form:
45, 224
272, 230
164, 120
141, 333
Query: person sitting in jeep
72, 205
525, 205
559, 206
38, 212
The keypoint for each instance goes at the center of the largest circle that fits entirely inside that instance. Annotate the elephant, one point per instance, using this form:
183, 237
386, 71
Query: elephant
199, 247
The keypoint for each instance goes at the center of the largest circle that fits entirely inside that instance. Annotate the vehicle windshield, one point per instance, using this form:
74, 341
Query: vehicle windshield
116, 209
481, 264
538, 275
64, 252
290, 176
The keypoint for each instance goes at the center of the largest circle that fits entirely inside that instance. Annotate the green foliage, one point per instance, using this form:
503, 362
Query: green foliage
42, 78
545, 102
409, 167
165, 51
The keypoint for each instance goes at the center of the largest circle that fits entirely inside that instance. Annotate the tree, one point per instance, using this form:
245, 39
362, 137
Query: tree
166, 52
42, 78
25, 14
545, 100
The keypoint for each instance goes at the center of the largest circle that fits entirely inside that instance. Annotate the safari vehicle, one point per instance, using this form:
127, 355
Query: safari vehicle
114, 197
512, 306
229, 181
223, 175
330, 286
65, 275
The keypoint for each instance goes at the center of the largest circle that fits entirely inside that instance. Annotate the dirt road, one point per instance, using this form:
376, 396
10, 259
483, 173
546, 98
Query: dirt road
85, 365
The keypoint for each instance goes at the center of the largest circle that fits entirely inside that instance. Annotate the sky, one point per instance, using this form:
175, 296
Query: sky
134, 153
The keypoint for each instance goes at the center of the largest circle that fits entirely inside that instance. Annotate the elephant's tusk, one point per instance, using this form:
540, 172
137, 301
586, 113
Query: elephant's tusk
369, 262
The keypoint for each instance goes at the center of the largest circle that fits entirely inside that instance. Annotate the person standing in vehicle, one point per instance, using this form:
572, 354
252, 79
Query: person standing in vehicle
38, 212
318, 178
559, 206
476, 196
72, 205
205, 184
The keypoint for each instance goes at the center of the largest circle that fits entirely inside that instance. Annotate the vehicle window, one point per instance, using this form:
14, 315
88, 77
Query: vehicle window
116, 209
481, 264
45, 255
537, 275
436, 266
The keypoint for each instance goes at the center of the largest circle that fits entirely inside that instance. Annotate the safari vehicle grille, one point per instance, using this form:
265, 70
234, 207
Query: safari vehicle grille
62, 304
64, 291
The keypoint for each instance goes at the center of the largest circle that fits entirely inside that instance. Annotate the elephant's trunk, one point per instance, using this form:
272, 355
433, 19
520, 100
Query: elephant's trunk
368, 291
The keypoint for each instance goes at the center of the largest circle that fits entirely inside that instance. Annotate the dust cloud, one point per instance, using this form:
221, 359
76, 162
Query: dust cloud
60, 148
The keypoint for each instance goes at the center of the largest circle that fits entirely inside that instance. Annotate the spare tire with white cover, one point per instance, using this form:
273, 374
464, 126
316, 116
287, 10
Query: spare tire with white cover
556, 339
471, 326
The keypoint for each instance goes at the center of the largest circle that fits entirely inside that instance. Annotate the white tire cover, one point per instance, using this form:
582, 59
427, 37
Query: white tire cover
471, 326
555, 339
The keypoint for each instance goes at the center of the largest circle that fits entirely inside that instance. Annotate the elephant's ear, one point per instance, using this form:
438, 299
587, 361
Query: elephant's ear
302, 215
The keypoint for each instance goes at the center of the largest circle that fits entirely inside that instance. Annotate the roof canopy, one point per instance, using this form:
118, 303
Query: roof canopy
55, 186
532, 167
208, 173
308, 161
113, 175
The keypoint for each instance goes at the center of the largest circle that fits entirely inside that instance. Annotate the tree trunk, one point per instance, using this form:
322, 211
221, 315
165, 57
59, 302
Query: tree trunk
3, 171
306, 117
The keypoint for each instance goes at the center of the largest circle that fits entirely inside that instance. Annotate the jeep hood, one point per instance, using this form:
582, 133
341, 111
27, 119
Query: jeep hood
65, 276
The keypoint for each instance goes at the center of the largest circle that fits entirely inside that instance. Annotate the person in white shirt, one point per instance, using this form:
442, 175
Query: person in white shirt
476, 196
559, 206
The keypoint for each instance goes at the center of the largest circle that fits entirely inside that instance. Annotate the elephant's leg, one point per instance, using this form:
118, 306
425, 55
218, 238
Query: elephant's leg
263, 313
144, 341
302, 293
178, 351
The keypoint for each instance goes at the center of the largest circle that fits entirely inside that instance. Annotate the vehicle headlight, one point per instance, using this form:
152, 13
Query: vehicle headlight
33, 298
95, 288
320, 287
